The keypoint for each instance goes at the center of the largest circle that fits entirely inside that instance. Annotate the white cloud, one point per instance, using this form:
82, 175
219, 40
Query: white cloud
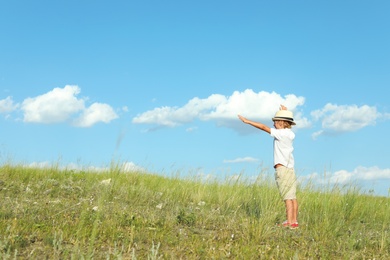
339, 119
191, 129
315, 135
125, 167
53, 107
62, 105
223, 110
241, 160
251, 104
360, 173
39, 165
132, 167
7, 105
96, 113
174, 116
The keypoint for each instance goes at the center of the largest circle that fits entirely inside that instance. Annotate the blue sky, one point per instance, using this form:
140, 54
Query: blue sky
157, 85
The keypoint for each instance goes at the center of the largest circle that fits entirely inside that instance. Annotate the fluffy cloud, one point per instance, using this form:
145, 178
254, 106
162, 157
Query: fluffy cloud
224, 109
174, 116
339, 119
125, 167
97, 112
7, 105
62, 105
132, 167
361, 177
53, 107
358, 174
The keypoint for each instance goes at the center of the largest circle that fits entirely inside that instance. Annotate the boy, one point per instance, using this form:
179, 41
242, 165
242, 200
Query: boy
283, 160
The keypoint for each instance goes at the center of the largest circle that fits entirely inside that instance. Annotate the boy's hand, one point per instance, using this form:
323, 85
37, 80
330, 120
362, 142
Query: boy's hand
243, 119
282, 107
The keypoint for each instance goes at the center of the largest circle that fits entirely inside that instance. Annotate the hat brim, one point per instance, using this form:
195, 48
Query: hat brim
284, 119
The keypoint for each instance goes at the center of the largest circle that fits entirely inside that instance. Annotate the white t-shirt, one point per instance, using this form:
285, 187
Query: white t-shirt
283, 146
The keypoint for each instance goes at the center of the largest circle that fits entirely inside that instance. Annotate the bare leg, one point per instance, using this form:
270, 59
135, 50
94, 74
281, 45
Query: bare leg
291, 210
295, 211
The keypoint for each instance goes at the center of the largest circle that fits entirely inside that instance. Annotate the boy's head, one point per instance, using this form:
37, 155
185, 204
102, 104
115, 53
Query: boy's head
280, 124
285, 118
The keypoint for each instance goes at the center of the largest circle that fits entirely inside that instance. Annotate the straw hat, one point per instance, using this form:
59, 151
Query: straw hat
284, 115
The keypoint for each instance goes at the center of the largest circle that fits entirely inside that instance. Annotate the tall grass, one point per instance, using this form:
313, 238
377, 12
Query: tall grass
62, 214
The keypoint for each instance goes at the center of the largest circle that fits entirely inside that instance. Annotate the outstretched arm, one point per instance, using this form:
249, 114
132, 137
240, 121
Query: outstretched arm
258, 125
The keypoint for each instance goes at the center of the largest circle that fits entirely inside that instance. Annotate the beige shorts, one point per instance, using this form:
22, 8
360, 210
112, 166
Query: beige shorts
287, 182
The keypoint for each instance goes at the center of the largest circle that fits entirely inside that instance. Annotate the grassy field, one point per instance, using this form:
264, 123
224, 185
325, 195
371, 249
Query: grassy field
59, 214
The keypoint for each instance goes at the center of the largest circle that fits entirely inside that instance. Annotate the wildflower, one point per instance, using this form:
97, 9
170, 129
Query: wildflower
106, 182
159, 206
201, 203
96, 208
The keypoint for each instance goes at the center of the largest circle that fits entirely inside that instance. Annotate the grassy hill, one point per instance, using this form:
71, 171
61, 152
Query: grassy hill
57, 214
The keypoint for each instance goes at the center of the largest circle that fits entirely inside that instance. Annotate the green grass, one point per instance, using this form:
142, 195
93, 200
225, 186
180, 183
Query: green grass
60, 214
